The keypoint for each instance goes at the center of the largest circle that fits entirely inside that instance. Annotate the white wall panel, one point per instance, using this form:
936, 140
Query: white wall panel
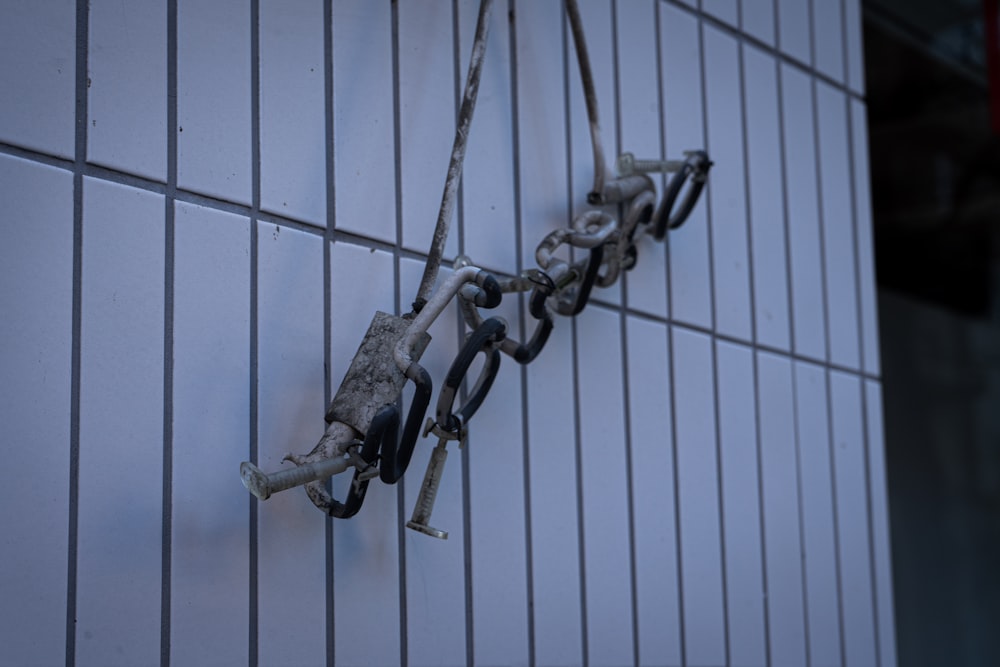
865, 241
794, 31
758, 19
488, 184
724, 10
210, 566
127, 91
365, 553
828, 39
741, 504
496, 516
853, 528
838, 227
881, 536
854, 44
802, 192
690, 276
37, 49
427, 114
819, 533
291, 533
292, 110
213, 99
555, 519
436, 610
554, 537
640, 131
764, 181
727, 189
657, 600
363, 135
691, 471
36, 336
495, 450
604, 479
698, 489
121, 427
782, 516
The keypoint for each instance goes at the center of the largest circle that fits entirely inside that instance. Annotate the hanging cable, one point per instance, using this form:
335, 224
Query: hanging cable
457, 157
596, 195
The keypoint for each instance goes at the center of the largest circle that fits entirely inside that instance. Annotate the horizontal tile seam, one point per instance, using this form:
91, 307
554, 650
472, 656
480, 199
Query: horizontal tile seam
223, 205
776, 52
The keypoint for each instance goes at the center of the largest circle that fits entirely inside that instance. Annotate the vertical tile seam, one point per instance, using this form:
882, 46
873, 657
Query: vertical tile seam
831, 443
398, 210
622, 310
714, 346
575, 355
671, 397
464, 452
80, 153
328, 238
522, 335
661, 122
859, 311
168, 338
786, 218
755, 350
807, 643
709, 185
254, 629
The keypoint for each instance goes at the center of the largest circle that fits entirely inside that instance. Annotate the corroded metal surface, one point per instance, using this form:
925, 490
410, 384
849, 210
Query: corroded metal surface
374, 379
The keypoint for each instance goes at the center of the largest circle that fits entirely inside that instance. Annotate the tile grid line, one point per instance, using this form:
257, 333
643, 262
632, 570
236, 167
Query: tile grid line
254, 216
714, 342
352, 238
168, 337
330, 192
575, 355
77, 166
398, 197
831, 444
465, 452
522, 335
786, 220
669, 342
622, 312
746, 38
754, 351
81, 168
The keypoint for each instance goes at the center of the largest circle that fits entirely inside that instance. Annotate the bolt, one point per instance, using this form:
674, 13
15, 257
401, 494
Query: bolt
428, 490
626, 165
262, 484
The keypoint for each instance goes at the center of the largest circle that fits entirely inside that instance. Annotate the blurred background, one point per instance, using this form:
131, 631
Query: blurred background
933, 85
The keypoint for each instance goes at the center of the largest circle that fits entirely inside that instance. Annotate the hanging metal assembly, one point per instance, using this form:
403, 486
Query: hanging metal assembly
364, 417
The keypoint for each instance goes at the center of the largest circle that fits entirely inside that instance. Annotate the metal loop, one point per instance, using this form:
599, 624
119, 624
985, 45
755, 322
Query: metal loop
592, 227
570, 301
483, 339
359, 485
695, 168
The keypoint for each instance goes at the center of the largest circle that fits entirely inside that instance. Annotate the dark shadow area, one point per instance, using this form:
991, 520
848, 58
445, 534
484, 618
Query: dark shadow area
935, 165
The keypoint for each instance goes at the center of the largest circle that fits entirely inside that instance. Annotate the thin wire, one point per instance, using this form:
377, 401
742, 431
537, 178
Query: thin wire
457, 158
596, 195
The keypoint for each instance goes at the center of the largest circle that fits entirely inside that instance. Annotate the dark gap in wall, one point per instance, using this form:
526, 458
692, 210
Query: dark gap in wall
935, 184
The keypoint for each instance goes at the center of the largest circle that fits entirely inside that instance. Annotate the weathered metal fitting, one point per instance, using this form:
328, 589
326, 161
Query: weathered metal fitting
374, 379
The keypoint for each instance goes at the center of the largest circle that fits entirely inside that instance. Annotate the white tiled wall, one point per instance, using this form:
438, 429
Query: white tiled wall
203, 205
